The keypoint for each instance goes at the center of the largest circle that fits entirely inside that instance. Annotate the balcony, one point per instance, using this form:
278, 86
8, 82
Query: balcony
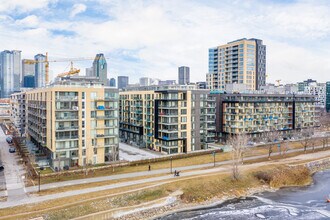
104, 135
105, 126
67, 128
168, 107
168, 114
168, 130
66, 98
63, 138
73, 108
168, 122
105, 117
70, 118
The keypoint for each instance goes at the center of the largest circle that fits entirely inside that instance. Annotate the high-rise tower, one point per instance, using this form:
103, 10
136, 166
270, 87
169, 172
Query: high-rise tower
184, 75
10, 72
100, 68
238, 62
40, 71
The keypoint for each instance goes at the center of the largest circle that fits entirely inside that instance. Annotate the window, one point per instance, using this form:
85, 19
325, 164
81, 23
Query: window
183, 127
183, 119
83, 124
93, 95
183, 111
83, 105
84, 152
83, 114
95, 150
83, 143
83, 95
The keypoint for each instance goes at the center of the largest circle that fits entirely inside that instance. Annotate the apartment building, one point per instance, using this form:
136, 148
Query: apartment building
319, 91
258, 113
241, 61
18, 111
74, 122
170, 121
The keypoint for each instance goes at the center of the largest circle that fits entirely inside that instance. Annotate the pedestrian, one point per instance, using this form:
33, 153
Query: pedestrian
174, 172
149, 167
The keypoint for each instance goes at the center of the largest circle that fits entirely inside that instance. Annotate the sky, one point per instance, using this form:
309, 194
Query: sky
153, 38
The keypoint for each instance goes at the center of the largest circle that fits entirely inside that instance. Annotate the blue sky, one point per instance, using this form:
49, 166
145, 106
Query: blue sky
153, 38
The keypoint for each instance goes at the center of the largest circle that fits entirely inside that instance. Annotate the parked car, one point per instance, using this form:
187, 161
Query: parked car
12, 150
66, 167
9, 140
1, 167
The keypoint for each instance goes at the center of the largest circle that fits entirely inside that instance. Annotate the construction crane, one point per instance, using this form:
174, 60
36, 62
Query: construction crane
47, 61
72, 71
278, 82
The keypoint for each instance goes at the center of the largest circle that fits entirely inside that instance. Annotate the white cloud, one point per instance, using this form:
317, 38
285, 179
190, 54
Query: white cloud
77, 9
23, 5
30, 21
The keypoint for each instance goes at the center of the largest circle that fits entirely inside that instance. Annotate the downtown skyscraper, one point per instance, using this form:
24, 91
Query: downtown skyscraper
40, 71
183, 75
10, 72
100, 69
241, 61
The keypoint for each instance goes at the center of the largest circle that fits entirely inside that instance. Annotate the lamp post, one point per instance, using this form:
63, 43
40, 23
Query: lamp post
39, 180
171, 164
213, 158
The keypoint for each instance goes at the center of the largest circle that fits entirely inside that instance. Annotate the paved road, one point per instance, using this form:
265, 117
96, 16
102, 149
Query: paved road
131, 153
13, 172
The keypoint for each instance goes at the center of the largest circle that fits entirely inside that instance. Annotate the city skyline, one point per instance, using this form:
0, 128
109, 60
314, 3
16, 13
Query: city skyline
137, 36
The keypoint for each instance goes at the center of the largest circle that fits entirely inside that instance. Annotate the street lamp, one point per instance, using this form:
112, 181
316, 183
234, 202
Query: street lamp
39, 180
171, 164
213, 158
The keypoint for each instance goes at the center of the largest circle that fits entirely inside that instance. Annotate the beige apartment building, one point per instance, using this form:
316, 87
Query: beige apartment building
241, 61
18, 111
74, 123
169, 121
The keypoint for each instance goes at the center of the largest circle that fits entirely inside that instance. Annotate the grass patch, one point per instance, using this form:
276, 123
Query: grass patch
194, 160
216, 186
285, 176
46, 170
89, 185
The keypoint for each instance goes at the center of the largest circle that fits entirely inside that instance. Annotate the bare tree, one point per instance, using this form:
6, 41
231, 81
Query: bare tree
285, 148
239, 144
270, 138
325, 141
325, 121
306, 137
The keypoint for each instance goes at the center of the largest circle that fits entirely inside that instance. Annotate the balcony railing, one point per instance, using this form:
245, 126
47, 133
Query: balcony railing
67, 118
67, 128
67, 137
